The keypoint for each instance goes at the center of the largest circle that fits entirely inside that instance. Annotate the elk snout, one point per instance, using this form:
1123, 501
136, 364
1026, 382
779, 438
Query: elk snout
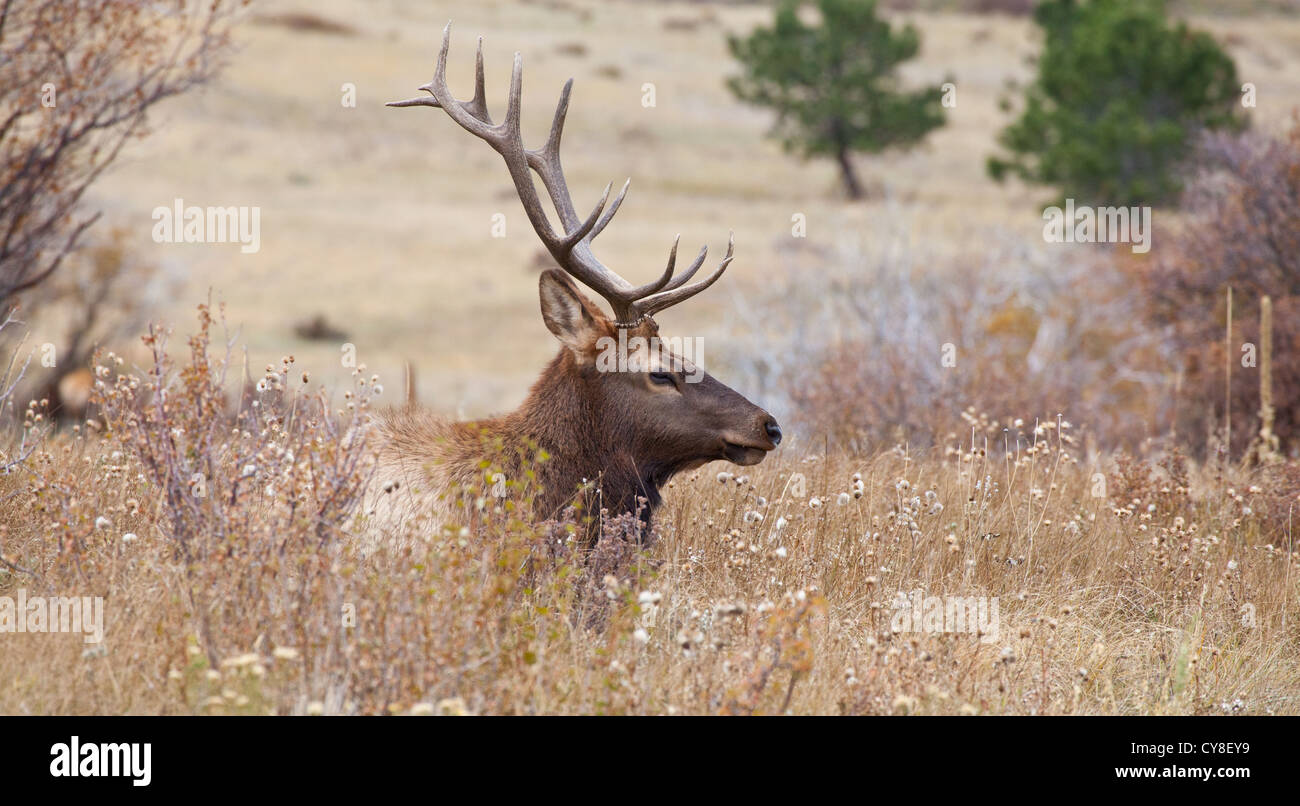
773, 430
751, 450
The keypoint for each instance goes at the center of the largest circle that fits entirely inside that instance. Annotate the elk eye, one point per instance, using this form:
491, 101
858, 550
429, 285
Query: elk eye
662, 378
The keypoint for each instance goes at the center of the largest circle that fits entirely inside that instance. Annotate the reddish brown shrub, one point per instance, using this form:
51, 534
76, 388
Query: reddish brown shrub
1243, 231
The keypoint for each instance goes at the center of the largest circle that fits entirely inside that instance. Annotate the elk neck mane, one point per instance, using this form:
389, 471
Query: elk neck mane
564, 414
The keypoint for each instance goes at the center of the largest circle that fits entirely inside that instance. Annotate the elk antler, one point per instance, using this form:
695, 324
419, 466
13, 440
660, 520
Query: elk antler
572, 247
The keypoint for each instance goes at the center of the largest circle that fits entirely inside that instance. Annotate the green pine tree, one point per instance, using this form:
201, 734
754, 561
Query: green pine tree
1118, 96
833, 85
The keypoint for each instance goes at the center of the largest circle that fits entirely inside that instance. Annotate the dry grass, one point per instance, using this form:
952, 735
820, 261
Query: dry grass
1140, 591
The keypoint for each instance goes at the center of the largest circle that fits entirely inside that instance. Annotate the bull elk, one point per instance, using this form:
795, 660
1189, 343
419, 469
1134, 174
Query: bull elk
618, 435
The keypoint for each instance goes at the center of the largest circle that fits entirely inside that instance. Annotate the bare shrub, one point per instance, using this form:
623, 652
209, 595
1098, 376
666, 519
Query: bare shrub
79, 80
101, 296
14, 450
1242, 230
281, 479
884, 346
228, 544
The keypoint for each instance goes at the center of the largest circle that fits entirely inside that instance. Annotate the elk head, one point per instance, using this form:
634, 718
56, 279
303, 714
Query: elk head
617, 400
670, 413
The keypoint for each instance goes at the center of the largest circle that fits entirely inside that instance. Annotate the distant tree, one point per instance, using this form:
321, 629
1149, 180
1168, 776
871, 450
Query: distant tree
76, 81
1118, 97
833, 85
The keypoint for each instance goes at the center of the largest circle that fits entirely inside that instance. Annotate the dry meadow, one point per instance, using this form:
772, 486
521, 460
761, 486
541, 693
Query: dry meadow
1117, 576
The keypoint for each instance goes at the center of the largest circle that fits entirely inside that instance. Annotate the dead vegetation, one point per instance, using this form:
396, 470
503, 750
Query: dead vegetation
230, 586
1162, 580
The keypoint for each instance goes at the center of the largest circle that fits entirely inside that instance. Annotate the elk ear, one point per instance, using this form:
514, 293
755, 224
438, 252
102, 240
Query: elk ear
569, 314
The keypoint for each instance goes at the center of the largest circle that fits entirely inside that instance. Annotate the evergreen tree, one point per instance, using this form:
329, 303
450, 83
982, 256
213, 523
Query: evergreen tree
1118, 96
833, 85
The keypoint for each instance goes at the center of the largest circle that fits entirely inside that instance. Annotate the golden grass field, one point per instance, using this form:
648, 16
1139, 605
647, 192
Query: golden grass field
1159, 586
769, 592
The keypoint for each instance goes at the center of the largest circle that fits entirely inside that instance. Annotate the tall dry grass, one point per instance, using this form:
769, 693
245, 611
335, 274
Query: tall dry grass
1122, 587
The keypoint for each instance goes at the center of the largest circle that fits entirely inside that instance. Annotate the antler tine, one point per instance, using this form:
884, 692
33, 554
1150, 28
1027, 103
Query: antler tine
438, 86
571, 246
551, 151
477, 105
546, 161
440, 72
575, 255
649, 288
569, 250
664, 299
685, 276
613, 208
575, 237
514, 102
472, 115
666, 281
416, 102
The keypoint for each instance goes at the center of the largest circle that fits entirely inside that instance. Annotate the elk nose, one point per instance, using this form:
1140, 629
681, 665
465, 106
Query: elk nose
773, 431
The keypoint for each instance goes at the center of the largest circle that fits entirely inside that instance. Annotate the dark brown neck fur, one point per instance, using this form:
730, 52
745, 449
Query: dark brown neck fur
563, 415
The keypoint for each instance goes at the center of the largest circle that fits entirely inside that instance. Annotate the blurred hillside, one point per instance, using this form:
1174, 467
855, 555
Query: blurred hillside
379, 220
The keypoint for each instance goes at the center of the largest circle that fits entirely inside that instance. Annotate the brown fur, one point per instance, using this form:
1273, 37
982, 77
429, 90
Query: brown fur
617, 429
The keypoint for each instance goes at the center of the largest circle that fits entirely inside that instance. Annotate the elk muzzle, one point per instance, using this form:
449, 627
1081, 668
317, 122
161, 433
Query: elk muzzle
750, 450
